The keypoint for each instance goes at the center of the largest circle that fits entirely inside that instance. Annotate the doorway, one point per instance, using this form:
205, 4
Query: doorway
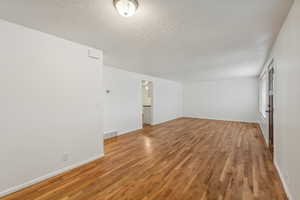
270, 109
147, 91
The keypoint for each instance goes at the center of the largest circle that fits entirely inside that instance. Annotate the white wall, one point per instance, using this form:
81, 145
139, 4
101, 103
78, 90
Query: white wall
50, 104
123, 105
234, 100
286, 54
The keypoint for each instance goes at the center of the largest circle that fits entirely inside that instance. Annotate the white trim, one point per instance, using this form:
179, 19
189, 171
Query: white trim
263, 94
223, 119
110, 134
265, 67
285, 185
47, 176
263, 73
142, 102
129, 131
262, 116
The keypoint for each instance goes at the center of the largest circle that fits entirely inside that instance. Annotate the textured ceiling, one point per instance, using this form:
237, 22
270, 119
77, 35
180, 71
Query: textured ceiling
183, 40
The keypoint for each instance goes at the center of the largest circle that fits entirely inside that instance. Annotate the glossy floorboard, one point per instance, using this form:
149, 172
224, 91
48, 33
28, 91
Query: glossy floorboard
185, 159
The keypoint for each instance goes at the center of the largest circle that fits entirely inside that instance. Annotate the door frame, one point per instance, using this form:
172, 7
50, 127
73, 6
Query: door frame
152, 101
270, 108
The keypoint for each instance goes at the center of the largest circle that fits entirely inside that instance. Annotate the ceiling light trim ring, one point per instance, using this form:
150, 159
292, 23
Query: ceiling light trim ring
126, 8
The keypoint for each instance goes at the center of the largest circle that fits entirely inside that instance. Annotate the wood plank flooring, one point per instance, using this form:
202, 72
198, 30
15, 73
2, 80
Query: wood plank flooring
185, 159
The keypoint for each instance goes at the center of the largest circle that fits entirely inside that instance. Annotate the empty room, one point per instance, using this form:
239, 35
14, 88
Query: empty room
149, 100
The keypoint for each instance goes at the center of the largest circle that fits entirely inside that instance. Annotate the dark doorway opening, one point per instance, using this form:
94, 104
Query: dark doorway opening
271, 109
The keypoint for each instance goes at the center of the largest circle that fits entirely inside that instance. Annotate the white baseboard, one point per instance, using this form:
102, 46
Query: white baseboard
222, 119
165, 121
285, 185
129, 131
47, 176
110, 134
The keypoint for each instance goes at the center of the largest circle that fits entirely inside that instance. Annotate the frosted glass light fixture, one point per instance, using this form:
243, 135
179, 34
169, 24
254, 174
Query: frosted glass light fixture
126, 8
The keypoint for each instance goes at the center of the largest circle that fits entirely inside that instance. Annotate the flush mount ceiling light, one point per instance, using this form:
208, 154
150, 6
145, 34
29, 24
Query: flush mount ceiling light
126, 8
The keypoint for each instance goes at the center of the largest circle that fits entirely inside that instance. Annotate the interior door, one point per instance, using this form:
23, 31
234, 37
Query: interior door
271, 110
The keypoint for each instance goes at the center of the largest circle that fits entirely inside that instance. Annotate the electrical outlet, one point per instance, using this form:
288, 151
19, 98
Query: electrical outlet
65, 157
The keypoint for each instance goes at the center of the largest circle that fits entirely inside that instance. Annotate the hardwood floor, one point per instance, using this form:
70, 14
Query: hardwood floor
185, 159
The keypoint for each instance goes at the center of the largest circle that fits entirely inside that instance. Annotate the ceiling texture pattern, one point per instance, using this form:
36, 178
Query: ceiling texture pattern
183, 40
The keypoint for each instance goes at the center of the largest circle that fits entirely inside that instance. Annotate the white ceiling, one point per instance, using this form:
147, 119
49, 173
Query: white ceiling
183, 40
